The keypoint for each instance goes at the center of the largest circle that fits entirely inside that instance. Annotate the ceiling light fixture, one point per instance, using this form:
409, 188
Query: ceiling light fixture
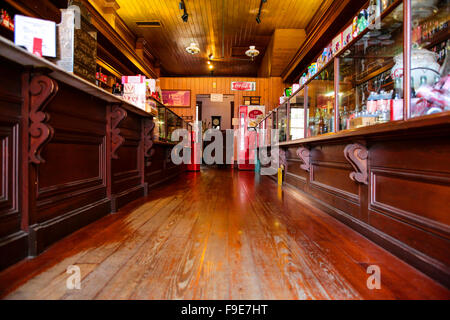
193, 48
258, 16
185, 15
252, 52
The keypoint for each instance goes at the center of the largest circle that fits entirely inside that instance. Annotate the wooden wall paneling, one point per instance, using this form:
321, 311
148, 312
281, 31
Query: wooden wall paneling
126, 173
268, 88
68, 186
13, 239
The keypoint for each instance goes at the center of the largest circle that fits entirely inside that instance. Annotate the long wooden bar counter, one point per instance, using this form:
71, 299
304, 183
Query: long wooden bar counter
391, 182
69, 152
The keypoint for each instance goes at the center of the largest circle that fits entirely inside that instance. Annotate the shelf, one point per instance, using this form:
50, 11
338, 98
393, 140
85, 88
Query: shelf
441, 36
375, 73
435, 120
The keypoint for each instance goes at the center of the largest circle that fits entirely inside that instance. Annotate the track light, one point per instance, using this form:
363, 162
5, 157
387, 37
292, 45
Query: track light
258, 16
185, 15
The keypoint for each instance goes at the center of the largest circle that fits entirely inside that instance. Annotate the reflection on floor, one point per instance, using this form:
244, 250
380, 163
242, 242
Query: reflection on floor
218, 234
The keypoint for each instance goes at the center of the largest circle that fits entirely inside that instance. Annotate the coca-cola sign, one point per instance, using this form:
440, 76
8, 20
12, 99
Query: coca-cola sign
243, 86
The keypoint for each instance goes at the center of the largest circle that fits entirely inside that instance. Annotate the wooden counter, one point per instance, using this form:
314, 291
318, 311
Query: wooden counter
390, 182
70, 152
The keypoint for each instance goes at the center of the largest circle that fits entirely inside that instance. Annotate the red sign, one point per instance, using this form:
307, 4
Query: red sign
243, 86
254, 114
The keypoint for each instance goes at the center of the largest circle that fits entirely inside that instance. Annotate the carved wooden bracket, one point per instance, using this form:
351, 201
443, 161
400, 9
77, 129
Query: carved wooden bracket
357, 155
42, 89
117, 115
283, 158
303, 154
148, 126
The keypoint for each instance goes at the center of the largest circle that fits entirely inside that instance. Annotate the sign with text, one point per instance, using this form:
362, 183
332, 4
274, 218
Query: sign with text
36, 35
176, 98
243, 86
216, 97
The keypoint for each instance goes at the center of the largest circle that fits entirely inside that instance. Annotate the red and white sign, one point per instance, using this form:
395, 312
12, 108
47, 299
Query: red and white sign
243, 86
134, 90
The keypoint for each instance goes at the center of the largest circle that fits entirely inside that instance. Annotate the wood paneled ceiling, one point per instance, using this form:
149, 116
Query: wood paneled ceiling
207, 20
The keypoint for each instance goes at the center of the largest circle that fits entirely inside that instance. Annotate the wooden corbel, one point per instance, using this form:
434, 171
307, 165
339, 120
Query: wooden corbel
303, 154
148, 126
42, 89
357, 155
117, 115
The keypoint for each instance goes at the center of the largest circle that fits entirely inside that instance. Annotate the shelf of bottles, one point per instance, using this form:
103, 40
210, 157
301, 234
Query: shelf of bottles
369, 71
320, 105
369, 93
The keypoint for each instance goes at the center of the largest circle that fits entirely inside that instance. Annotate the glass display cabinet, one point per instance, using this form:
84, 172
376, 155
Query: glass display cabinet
369, 92
361, 80
297, 116
173, 122
430, 83
282, 122
161, 124
321, 103
166, 122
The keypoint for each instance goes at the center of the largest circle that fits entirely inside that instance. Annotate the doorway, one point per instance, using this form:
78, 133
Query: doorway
215, 114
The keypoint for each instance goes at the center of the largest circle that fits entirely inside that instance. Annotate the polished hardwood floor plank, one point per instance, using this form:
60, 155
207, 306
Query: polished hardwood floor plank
218, 234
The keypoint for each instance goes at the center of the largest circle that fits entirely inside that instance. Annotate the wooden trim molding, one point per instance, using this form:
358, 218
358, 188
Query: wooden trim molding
117, 115
304, 154
42, 89
356, 154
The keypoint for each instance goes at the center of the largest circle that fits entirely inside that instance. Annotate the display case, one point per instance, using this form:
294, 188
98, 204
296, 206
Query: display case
321, 103
360, 79
370, 90
167, 122
282, 122
297, 116
173, 122
161, 124
430, 83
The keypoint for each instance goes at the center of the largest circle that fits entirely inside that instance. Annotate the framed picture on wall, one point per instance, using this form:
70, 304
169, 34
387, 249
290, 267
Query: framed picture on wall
177, 98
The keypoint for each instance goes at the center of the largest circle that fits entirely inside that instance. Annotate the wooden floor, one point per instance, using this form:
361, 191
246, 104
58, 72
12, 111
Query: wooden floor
218, 234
